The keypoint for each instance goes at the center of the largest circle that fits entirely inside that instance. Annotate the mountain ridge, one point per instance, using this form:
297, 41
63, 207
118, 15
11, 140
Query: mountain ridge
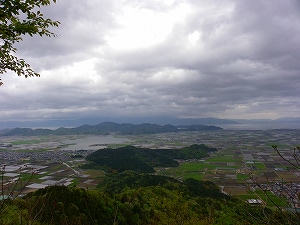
107, 128
67, 122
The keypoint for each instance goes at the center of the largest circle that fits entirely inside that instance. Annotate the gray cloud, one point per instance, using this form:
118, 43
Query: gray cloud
229, 59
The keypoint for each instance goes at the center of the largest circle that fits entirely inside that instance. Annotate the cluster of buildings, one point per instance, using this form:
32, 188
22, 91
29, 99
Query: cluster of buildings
289, 191
52, 155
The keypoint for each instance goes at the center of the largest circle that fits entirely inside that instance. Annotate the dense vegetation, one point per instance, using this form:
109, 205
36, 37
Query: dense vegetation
116, 183
133, 198
137, 198
109, 127
19, 18
143, 159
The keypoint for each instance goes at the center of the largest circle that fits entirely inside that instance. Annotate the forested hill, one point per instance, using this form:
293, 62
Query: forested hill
138, 199
142, 159
109, 127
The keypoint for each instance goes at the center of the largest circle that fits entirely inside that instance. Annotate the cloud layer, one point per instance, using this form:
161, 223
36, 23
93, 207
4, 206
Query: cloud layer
180, 58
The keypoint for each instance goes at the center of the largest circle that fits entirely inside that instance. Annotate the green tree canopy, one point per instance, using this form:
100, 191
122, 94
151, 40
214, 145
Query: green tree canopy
17, 18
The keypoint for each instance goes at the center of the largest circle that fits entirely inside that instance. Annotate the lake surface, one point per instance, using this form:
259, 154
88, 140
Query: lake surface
94, 142
260, 126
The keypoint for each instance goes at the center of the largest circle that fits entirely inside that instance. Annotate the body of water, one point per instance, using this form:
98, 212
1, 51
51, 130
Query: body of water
260, 126
93, 142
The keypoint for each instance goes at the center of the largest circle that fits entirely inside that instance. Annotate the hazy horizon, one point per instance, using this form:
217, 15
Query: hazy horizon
283, 123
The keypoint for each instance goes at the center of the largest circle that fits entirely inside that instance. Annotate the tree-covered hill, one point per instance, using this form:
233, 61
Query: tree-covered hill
143, 159
109, 127
137, 199
165, 202
128, 158
116, 183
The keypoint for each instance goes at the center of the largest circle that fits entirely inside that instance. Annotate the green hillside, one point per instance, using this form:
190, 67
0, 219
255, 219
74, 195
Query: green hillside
143, 159
136, 199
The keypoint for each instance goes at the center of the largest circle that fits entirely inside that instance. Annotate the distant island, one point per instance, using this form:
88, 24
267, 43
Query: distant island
106, 128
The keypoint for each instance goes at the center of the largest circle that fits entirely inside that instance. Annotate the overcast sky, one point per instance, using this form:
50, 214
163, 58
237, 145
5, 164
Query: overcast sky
179, 58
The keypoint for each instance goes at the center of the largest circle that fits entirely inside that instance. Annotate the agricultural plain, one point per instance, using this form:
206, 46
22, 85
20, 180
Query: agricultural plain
245, 159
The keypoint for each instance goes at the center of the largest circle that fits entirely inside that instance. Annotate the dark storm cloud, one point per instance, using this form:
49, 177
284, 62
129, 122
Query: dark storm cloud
229, 59
82, 29
250, 54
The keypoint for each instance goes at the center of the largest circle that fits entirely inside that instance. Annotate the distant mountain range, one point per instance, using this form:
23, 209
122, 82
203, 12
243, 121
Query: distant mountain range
162, 121
108, 127
133, 120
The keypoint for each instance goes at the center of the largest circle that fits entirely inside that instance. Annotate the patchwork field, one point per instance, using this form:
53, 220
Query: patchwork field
244, 159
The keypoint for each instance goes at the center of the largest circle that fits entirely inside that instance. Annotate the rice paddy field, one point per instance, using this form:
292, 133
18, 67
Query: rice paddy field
244, 159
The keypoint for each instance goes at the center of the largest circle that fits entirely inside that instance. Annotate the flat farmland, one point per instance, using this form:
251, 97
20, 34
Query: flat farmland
245, 161
243, 158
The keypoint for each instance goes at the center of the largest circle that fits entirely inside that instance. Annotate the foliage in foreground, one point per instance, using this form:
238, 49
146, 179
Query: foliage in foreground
156, 201
19, 18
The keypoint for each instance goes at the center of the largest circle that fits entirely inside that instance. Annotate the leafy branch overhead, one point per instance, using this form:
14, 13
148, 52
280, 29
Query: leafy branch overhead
17, 18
